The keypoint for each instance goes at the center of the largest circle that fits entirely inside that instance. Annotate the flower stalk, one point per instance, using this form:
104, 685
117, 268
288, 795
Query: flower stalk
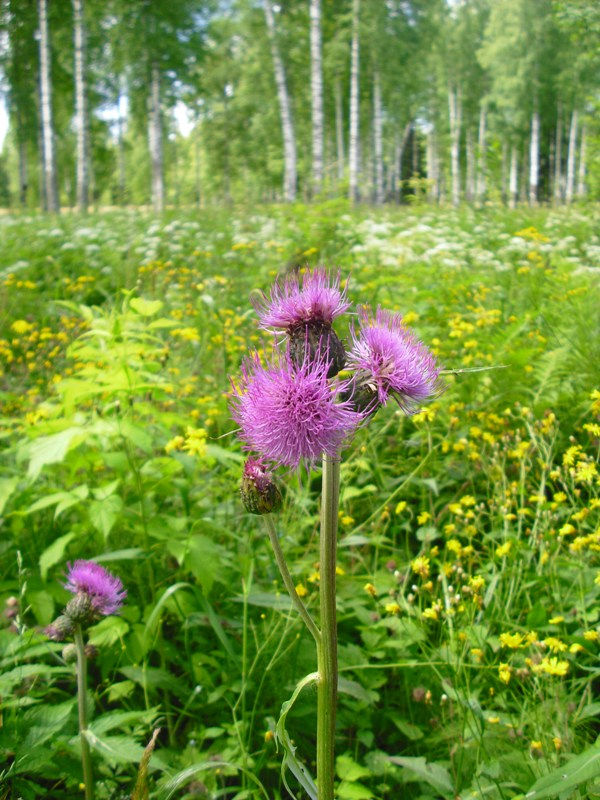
288, 582
86, 760
327, 651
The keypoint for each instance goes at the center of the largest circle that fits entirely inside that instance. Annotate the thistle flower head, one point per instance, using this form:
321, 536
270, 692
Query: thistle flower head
317, 298
103, 591
289, 411
389, 360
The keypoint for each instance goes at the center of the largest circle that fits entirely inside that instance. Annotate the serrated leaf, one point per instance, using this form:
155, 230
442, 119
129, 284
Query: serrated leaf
353, 791
108, 631
104, 513
433, 774
7, 487
54, 553
117, 719
52, 449
145, 308
348, 770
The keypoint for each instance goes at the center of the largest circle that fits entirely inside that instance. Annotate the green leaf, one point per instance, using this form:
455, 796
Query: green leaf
119, 690
536, 617
7, 487
42, 605
579, 769
412, 732
290, 760
204, 561
156, 611
355, 690
591, 710
51, 449
433, 774
104, 513
353, 791
115, 749
185, 776
118, 719
145, 308
348, 770
108, 631
54, 553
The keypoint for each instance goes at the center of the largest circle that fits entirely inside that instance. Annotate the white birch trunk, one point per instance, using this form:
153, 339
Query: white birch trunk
558, 176
155, 141
339, 130
470, 182
581, 187
455, 111
287, 126
49, 158
534, 157
433, 176
316, 83
481, 156
121, 152
504, 171
354, 141
571, 158
513, 187
81, 121
378, 138
398, 157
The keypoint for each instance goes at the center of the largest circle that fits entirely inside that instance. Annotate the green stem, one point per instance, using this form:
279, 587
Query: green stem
327, 652
287, 580
86, 760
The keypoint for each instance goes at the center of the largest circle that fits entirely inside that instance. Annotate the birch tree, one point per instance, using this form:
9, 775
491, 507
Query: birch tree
287, 125
47, 126
353, 153
81, 117
316, 83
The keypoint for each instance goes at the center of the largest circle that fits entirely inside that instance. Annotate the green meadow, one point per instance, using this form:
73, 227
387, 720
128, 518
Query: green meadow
468, 578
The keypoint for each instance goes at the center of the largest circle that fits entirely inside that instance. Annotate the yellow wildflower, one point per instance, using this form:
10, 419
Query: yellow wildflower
511, 640
370, 589
504, 672
555, 644
423, 517
301, 590
392, 608
503, 550
176, 443
420, 565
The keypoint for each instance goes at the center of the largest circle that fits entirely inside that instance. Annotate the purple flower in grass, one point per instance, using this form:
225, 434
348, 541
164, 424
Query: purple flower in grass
389, 360
305, 309
289, 412
291, 303
101, 591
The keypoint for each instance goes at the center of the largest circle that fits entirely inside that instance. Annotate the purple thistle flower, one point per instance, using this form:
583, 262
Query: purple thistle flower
306, 312
104, 590
319, 299
390, 360
288, 411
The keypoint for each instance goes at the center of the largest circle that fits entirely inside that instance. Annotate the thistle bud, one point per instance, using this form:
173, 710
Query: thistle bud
60, 628
317, 340
80, 610
69, 653
260, 493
